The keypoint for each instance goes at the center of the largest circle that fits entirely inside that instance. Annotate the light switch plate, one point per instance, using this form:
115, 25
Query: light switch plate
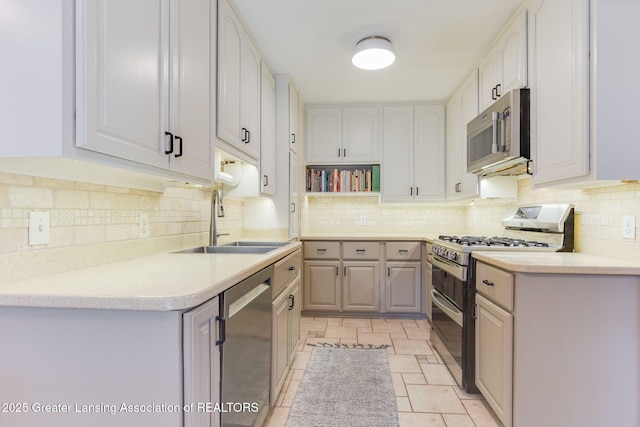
38, 228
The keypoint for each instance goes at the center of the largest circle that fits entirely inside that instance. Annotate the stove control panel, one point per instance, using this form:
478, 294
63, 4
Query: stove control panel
448, 254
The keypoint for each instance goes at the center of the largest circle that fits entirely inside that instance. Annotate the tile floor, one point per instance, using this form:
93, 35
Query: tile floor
426, 393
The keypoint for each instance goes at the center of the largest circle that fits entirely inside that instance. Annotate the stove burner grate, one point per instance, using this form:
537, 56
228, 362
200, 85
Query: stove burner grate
493, 241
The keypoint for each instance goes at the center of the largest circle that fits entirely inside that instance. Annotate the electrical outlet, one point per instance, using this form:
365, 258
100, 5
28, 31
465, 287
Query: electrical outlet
143, 226
38, 228
363, 220
628, 227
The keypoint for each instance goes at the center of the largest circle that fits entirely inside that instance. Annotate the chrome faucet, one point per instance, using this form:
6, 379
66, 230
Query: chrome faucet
219, 211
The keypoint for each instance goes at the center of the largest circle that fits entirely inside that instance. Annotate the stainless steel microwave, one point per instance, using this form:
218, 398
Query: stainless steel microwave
498, 140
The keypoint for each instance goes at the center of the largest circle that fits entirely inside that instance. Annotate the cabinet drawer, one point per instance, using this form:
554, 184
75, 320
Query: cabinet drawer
495, 284
403, 251
285, 270
322, 250
361, 250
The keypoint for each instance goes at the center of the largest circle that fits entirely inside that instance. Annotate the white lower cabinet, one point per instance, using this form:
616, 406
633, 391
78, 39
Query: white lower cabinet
346, 277
287, 308
286, 335
360, 286
494, 357
109, 358
201, 363
403, 285
552, 350
494, 338
322, 285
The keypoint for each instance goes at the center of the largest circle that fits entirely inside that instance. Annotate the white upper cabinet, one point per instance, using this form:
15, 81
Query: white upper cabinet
155, 109
360, 134
268, 133
504, 67
584, 92
461, 109
238, 86
294, 118
560, 90
126, 80
413, 153
342, 135
324, 135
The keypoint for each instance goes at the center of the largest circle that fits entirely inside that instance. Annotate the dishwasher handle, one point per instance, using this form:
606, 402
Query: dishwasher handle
222, 330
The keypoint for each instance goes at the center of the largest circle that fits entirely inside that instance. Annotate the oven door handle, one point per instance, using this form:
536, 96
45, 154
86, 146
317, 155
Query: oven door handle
458, 271
444, 305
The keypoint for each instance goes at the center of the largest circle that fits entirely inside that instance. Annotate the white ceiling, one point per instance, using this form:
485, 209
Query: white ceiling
437, 42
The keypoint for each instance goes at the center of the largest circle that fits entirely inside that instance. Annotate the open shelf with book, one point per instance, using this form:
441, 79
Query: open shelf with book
343, 179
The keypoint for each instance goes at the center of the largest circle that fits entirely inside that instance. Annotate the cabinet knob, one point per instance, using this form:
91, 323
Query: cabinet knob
292, 268
293, 138
488, 283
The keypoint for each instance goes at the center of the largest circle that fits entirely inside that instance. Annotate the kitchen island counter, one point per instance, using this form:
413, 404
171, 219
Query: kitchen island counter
558, 263
163, 282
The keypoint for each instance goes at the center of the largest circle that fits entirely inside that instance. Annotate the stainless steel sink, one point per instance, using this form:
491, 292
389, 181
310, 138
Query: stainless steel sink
249, 243
228, 250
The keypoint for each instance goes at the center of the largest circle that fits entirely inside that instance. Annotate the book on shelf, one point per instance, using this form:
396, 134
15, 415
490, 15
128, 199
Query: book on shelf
326, 180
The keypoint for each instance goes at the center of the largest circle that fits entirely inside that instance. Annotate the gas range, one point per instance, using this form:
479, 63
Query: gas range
546, 227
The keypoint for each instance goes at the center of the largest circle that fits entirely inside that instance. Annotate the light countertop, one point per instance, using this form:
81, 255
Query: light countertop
162, 282
558, 263
402, 237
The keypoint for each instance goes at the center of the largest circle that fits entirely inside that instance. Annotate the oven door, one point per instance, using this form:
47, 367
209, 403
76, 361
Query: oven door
447, 320
453, 327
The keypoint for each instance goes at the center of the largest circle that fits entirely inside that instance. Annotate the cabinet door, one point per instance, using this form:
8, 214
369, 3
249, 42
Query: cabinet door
512, 54
294, 196
268, 133
488, 79
360, 134
280, 345
324, 135
429, 158
494, 357
190, 96
294, 117
403, 287
461, 109
295, 309
397, 154
121, 106
250, 98
559, 82
322, 285
230, 34
201, 362
360, 286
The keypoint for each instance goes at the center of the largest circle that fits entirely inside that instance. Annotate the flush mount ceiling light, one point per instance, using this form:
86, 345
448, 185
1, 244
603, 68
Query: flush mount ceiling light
373, 53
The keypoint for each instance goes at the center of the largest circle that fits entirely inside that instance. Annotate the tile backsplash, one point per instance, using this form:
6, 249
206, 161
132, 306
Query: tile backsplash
598, 225
94, 224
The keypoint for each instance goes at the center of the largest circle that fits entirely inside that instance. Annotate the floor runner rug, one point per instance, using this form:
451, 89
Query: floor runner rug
345, 387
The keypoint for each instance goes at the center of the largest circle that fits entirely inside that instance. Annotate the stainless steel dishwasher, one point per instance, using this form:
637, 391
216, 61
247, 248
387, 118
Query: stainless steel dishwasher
246, 350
